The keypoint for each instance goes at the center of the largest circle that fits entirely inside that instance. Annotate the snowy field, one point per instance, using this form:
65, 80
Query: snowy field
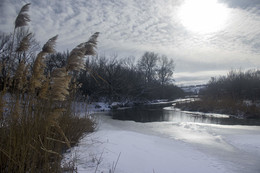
167, 147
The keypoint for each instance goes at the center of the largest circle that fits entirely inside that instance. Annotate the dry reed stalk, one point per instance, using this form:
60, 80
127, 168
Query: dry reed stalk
60, 81
38, 113
16, 113
47, 150
24, 44
8, 156
20, 77
55, 114
44, 91
37, 72
2, 106
62, 134
53, 121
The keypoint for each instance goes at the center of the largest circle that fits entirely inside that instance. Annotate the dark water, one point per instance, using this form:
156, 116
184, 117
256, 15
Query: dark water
156, 113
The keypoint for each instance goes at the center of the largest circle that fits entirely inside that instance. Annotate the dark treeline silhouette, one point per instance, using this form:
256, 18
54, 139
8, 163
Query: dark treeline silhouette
236, 94
237, 85
117, 79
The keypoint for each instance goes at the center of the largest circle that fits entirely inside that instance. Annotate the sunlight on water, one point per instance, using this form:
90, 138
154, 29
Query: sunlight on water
157, 114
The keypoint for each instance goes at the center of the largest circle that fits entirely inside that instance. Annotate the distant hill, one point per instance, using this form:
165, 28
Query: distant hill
193, 89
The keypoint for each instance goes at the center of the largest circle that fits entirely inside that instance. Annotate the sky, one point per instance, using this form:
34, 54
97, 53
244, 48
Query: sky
205, 38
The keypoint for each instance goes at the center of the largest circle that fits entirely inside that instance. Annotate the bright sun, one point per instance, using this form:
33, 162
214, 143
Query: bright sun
203, 16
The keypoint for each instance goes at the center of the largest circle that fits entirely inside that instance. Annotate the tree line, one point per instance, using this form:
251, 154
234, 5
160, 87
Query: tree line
114, 78
103, 77
236, 85
236, 94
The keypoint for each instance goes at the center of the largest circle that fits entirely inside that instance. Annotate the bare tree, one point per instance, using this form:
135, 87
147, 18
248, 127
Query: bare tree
165, 69
33, 45
22, 49
147, 64
56, 60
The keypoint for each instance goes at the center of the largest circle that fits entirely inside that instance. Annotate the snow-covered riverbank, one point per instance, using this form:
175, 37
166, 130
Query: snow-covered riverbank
167, 147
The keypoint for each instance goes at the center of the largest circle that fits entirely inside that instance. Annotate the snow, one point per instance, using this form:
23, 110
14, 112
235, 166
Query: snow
88, 109
216, 115
167, 147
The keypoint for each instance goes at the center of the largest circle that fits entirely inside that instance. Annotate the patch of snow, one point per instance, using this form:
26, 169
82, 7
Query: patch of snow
248, 102
139, 153
167, 147
249, 142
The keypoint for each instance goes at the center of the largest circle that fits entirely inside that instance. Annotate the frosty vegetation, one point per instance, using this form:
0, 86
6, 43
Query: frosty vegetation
37, 120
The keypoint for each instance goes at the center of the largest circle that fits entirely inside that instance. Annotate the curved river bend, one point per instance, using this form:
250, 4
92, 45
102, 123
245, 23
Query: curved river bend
234, 141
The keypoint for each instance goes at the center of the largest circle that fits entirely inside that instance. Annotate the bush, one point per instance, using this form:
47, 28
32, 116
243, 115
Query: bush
236, 85
223, 106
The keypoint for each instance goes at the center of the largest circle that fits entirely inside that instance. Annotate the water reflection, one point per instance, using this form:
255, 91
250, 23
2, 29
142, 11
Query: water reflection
157, 114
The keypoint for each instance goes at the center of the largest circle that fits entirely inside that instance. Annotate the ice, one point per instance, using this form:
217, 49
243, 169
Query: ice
198, 113
168, 147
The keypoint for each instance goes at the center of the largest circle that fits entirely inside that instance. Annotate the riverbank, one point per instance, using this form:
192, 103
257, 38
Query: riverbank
85, 108
236, 108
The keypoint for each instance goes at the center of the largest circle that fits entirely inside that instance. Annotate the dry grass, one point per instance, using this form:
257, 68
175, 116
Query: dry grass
37, 122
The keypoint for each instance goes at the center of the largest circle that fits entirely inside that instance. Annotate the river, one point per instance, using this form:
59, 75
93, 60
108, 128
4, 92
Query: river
160, 138
234, 141
166, 112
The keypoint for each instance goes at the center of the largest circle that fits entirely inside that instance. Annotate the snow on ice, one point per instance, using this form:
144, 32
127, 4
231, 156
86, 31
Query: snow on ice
167, 147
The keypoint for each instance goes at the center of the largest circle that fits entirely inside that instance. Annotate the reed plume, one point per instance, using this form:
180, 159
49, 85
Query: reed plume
75, 60
21, 20
24, 44
49, 46
60, 84
92, 44
39, 64
23, 17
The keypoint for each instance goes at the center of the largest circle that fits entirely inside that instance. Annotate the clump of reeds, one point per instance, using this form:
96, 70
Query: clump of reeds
37, 123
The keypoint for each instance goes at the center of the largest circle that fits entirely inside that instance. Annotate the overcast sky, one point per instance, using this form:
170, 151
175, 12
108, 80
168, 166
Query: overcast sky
204, 37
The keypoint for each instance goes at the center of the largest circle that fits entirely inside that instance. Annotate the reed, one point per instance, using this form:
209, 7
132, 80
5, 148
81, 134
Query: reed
37, 121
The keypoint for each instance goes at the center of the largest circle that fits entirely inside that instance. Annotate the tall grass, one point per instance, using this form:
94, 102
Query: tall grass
37, 122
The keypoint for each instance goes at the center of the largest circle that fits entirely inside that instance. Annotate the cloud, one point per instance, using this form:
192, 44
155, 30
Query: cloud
131, 27
243, 4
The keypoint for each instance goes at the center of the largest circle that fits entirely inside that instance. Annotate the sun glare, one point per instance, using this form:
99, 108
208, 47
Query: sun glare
203, 16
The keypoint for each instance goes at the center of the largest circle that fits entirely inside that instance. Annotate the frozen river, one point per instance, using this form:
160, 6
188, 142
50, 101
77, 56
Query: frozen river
167, 140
